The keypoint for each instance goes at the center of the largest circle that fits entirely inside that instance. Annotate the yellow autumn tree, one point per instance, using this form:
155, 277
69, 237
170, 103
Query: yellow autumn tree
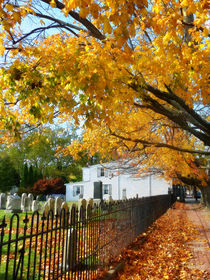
134, 72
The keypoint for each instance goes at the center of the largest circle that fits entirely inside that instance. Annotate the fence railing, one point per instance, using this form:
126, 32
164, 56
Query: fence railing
75, 243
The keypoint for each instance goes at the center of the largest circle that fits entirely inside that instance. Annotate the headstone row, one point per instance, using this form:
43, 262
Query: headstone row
54, 205
3, 200
25, 203
16, 204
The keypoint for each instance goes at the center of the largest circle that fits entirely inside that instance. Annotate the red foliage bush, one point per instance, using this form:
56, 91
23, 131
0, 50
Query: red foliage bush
49, 186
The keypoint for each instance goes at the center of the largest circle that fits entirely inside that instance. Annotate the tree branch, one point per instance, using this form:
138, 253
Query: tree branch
190, 181
40, 29
181, 116
93, 31
159, 145
192, 25
61, 22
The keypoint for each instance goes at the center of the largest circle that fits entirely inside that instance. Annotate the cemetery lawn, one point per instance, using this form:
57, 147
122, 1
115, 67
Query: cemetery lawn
8, 215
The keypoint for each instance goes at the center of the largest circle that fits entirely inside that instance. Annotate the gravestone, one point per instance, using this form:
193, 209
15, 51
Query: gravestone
90, 202
38, 197
65, 206
73, 213
13, 204
89, 207
64, 218
36, 206
96, 201
16, 195
26, 204
23, 196
48, 196
30, 195
70, 254
70, 249
58, 202
51, 203
82, 203
3, 200
46, 209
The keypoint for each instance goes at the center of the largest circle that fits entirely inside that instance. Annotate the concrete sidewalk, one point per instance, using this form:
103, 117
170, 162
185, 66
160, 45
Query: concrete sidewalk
200, 217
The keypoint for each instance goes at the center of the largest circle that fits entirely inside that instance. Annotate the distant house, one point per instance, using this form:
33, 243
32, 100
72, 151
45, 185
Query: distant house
101, 181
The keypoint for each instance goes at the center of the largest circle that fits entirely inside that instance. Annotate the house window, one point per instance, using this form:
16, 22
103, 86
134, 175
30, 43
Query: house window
77, 190
107, 189
102, 172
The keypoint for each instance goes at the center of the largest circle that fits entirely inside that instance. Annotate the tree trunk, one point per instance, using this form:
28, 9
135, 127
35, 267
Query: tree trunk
206, 195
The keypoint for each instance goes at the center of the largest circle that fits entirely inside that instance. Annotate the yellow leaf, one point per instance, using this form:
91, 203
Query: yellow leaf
83, 12
2, 49
53, 4
107, 27
17, 17
14, 52
95, 10
184, 3
9, 7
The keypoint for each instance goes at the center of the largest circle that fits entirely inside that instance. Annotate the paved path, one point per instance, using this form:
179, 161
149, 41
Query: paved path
200, 217
140, 265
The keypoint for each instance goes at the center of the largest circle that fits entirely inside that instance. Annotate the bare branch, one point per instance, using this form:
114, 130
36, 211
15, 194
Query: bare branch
36, 30
61, 22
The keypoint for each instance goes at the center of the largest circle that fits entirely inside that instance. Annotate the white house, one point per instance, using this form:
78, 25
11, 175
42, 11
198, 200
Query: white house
101, 181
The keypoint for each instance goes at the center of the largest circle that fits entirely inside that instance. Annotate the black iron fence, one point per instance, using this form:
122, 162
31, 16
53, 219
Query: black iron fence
75, 243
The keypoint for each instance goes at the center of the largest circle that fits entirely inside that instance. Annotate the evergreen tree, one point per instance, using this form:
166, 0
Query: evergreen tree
31, 176
8, 174
24, 177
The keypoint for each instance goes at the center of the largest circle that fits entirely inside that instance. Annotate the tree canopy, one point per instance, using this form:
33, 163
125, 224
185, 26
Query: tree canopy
36, 156
135, 72
49, 186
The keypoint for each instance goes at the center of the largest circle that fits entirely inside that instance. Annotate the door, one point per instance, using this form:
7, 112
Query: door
98, 190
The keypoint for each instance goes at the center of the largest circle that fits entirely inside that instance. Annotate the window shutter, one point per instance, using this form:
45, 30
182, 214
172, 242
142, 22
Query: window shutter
110, 189
82, 189
98, 172
106, 172
74, 190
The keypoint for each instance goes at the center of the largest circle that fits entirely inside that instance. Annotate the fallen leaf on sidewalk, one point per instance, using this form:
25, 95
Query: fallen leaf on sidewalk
166, 252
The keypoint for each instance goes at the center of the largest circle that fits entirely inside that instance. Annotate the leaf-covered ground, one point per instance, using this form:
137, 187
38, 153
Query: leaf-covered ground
163, 252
